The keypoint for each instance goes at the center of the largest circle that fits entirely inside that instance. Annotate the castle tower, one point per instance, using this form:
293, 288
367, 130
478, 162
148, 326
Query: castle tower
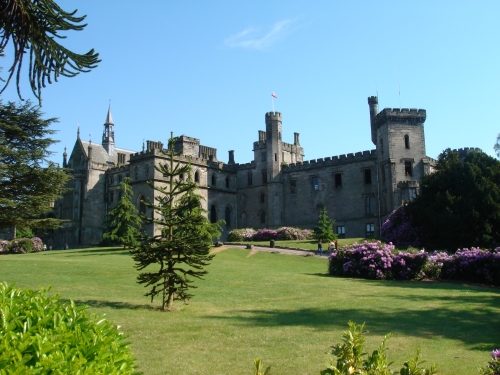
108, 135
373, 103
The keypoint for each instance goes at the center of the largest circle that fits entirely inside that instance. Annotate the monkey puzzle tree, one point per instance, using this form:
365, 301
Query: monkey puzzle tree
183, 238
324, 231
35, 25
124, 222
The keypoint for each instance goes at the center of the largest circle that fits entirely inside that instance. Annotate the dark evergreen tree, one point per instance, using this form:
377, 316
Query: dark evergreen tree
324, 230
181, 245
496, 146
459, 204
124, 222
29, 182
34, 26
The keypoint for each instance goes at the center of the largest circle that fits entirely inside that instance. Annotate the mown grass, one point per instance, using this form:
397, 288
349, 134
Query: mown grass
308, 244
281, 308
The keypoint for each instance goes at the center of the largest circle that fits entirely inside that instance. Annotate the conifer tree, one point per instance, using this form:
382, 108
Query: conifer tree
324, 231
180, 247
124, 221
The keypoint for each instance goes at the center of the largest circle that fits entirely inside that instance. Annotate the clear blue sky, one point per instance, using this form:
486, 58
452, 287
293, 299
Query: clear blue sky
206, 69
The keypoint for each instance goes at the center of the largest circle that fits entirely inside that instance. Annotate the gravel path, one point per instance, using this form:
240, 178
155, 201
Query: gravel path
279, 250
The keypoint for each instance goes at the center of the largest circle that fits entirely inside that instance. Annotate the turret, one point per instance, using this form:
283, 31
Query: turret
373, 103
108, 135
273, 143
65, 159
231, 157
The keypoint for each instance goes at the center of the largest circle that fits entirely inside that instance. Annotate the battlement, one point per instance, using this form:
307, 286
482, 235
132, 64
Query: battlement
400, 116
408, 184
331, 161
273, 116
463, 152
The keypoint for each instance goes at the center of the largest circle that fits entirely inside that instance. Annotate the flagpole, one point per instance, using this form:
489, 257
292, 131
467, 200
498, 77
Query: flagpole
272, 100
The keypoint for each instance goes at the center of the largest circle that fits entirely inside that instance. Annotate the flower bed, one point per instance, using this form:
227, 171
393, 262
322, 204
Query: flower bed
281, 234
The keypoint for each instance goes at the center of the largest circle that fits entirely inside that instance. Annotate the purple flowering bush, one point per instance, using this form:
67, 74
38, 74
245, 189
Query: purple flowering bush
493, 367
265, 235
409, 266
398, 229
22, 246
289, 233
476, 265
282, 234
238, 235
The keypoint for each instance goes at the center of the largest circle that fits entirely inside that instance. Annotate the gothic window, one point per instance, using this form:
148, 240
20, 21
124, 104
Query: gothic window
315, 183
369, 205
408, 169
262, 217
146, 169
214, 180
338, 180
249, 178
407, 141
120, 178
227, 182
227, 216
197, 177
262, 197
213, 214
264, 176
293, 186
121, 158
412, 192
275, 157
367, 176
370, 230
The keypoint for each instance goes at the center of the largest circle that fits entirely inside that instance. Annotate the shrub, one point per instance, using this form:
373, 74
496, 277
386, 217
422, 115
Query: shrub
41, 335
237, 235
22, 246
289, 233
409, 266
265, 235
399, 230
4, 246
493, 367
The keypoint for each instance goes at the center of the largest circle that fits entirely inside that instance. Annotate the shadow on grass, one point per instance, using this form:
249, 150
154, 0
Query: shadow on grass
91, 252
111, 304
473, 320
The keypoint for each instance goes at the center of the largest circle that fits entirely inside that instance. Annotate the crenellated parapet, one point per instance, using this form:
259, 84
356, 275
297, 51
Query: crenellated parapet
408, 184
331, 161
409, 116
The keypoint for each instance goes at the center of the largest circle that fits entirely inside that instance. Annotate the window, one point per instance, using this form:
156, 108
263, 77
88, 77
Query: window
369, 205
142, 206
197, 177
338, 180
121, 158
112, 180
412, 192
146, 169
264, 176
370, 230
408, 169
111, 196
407, 141
214, 180
315, 183
227, 216
368, 176
213, 214
264, 156
136, 172
262, 197
227, 182
275, 157
181, 177
120, 178
262, 217
293, 186
341, 231
249, 179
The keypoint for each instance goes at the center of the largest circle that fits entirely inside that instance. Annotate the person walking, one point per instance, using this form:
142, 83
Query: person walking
320, 247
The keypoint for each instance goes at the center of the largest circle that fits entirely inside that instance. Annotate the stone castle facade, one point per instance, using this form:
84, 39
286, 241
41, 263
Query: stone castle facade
277, 188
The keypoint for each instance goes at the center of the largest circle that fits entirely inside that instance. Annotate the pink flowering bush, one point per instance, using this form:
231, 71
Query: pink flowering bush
289, 233
476, 265
493, 367
21, 246
238, 235
281, 234
398, 229
265, 235
3, 246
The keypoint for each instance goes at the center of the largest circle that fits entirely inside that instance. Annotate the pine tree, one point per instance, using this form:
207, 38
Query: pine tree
181, 245
29, 182
324, 231
124, 220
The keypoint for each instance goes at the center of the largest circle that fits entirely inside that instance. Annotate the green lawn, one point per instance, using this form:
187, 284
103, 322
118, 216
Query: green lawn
308, 244
281, 308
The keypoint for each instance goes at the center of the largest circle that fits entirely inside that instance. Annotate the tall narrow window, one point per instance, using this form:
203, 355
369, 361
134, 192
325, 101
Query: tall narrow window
227, 182
213, 214
264, 176
214, 180
249, 178
381, 146
368, 176
262, 197
227, 216
262, 217
369, 205
341, 231
197, 177
264, 156
408, 169
370, 230
142, 206
407, 141
338, 180
315, 183
275, 157
293, 186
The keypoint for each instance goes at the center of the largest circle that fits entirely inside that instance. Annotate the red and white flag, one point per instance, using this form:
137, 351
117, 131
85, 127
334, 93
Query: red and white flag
274, 95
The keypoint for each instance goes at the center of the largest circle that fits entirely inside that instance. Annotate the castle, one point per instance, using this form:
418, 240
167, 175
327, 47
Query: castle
277, 188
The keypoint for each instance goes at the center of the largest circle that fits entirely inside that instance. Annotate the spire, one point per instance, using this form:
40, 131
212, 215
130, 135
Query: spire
65, 155
78, 132
108, 135
109, 118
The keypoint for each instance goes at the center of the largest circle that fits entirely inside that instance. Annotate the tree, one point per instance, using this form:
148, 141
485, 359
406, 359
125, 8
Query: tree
459, 204
181, 245
324, 231
496, 147
35, 25
399, 230
124, 220
29, 182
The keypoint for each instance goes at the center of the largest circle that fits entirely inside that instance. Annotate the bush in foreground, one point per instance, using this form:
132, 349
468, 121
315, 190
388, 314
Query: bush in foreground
40, 335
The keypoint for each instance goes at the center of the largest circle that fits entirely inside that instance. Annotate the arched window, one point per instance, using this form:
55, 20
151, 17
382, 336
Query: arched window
214, 180
227, 216
197, 177
262, 197
213, 214
262, 217
407, 141
227, 182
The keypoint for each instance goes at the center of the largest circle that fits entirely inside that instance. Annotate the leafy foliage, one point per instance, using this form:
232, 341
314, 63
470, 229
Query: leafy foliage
349, 357
493, 367
399, 230
124, 220
324, 231
40, 335
459, 204
29, 182
21, 246
181, 248
35, 26
281, 234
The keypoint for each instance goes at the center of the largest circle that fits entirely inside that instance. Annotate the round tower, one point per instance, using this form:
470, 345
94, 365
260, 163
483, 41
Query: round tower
373, 103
